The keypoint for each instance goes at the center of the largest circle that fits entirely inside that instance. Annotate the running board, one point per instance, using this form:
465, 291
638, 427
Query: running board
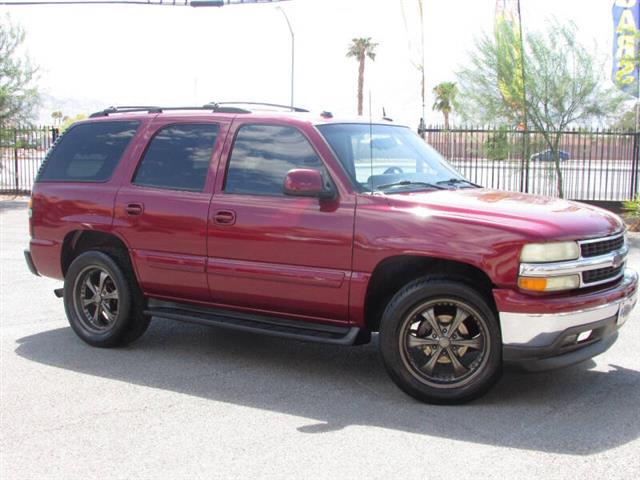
277, 327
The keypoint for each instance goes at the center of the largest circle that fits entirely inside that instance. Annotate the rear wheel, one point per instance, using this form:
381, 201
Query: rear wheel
440, 341
102, 300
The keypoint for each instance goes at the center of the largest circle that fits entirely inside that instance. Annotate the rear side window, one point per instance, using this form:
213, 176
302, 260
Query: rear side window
178, 157
263, 154
88, 152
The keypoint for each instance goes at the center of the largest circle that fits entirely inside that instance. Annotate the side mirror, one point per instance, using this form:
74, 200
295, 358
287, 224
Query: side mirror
303, 182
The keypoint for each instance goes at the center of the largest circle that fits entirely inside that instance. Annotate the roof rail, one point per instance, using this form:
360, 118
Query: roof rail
276, 105
213, 107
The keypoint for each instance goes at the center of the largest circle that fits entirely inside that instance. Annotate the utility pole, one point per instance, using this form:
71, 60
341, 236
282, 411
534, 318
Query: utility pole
293, 46
424, 109
524, 180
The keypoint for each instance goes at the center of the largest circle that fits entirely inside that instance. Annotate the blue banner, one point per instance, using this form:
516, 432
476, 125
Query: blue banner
626, 36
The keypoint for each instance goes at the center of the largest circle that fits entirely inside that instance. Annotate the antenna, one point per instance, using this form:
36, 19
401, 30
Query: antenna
384, 115
370, 142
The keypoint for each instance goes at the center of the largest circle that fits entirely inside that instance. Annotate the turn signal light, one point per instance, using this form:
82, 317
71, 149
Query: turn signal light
549, 284
534, 284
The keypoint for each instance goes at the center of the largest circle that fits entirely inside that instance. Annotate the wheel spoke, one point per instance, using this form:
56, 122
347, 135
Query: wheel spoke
90, 286
461, 315
430, 317
458, 367
417, 342
475, 343
103, 278
88, 301
110, 295
430, 365
107, 312
96, 313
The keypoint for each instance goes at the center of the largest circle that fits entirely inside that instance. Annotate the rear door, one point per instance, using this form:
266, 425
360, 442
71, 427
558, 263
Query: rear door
162, 207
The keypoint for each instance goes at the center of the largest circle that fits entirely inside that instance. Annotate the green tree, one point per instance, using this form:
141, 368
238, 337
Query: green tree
497, 145
57, 117
626, 121
68, 121
360, 49
564, 84
445, 97
18, 94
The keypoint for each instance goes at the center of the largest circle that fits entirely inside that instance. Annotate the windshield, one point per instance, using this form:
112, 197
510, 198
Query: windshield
389, 158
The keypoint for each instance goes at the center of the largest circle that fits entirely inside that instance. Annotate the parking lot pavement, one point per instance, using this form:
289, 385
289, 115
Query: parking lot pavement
190, 402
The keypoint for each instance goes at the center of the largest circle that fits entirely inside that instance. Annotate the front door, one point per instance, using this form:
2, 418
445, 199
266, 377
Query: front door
162, 209
272, 253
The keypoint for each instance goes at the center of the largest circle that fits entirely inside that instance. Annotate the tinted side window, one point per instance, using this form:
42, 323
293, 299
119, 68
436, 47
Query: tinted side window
177, 157
88, 152
263, 154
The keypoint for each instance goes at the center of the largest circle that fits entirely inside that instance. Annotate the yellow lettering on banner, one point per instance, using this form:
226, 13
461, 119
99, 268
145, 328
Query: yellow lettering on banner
624, 75
626, 3
627, 23
626, 46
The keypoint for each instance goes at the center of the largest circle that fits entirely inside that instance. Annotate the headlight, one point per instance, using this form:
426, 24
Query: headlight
549, 284
549, 252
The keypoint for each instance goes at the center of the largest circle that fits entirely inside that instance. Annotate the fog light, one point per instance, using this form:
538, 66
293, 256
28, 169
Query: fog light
584, 335
549, 284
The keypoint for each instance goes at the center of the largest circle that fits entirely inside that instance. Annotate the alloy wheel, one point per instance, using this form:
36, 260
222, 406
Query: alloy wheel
96, 299
444, 343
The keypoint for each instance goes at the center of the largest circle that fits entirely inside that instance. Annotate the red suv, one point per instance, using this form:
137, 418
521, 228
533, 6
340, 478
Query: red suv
321, 229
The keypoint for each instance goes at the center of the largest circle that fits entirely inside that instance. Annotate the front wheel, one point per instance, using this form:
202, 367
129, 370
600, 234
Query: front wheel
440, 341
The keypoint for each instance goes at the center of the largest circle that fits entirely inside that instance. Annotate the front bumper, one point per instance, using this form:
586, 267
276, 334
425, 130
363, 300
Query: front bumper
544, 341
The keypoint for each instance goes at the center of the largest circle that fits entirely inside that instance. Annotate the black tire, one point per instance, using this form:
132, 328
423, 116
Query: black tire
115, 320
431, 363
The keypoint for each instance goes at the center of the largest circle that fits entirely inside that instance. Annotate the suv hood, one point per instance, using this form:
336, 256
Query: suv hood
543, 218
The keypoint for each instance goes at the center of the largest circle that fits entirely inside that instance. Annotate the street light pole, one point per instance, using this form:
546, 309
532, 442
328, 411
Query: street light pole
293, 46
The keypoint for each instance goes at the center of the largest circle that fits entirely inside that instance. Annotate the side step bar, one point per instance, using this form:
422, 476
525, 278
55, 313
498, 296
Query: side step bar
278, 327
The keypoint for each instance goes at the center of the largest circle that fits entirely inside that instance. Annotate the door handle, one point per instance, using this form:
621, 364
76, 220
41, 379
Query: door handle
134, 208
225, 217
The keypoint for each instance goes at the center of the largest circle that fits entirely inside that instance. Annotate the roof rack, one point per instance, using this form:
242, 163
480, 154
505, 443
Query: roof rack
276, 105
213, 107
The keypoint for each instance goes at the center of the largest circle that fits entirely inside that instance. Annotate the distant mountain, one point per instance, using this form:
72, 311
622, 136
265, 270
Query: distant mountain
69, 107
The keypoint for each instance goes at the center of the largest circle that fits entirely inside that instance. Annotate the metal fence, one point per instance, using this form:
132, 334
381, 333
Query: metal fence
596, 164
22, 151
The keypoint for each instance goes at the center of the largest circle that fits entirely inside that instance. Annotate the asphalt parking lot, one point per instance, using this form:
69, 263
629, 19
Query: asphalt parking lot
189, 402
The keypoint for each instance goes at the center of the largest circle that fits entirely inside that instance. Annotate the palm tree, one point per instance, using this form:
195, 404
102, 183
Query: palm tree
57, 117
361, 48
445, 97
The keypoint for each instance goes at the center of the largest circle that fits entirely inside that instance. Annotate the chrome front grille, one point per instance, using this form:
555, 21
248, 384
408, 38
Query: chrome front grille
598, 275
593, 248
613, 252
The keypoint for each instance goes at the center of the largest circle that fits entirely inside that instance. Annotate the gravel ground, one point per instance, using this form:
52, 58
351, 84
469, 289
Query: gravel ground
188, 402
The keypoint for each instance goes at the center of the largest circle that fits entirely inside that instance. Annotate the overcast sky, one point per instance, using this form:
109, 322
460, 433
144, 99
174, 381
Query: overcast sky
109, 55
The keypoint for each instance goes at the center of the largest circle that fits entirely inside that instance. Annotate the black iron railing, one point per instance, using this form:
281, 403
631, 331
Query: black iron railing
22, 151
595, 164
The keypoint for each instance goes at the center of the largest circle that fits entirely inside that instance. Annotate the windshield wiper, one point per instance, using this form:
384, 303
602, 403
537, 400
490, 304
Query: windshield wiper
403, 183
457, 181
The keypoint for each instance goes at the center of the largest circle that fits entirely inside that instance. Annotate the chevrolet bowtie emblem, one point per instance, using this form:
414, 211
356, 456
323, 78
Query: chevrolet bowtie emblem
617, 261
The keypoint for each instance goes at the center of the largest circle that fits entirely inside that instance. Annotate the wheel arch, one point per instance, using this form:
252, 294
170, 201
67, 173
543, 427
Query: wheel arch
77, 242
393, 273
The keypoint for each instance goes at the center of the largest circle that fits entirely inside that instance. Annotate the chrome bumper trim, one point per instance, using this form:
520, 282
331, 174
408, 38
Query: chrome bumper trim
541, 329
611, 259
